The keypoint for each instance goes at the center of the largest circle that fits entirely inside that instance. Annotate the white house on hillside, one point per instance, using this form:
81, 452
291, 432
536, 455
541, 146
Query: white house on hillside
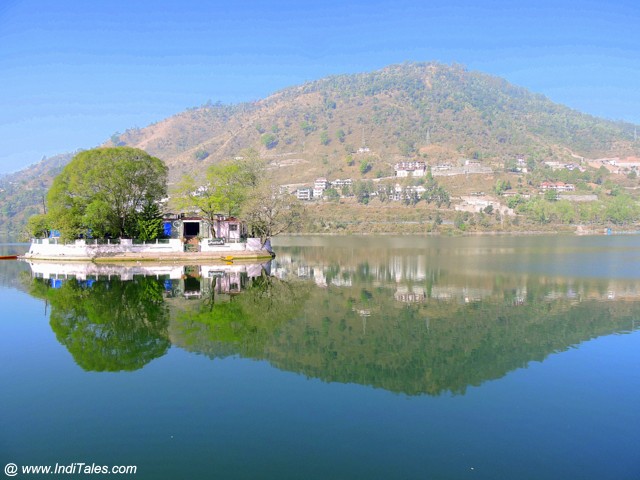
410, 169
320, 185
557, 186
304, 193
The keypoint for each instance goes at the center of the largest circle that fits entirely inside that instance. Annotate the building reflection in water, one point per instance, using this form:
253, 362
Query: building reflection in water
188, 281
390, 322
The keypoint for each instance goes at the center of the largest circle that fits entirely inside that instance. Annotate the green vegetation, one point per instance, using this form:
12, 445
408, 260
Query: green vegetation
307, 127
103, 191
225, 188
108, 326
241, 187
201, 154
269, 140
502, 186
38, 225
436, 193
616, 210
365, 167
245, 323
551, 195
363, 190
332, 194
149, 222
23, 194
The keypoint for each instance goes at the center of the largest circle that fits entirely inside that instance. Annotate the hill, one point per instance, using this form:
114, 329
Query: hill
444, 112
22, 193
435, 112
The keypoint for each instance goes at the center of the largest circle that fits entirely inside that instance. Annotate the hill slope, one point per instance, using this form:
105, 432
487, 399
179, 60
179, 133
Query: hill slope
446, 111
438, 112
22, 193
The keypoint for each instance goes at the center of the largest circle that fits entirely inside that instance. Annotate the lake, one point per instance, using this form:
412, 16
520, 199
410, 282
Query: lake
346, 357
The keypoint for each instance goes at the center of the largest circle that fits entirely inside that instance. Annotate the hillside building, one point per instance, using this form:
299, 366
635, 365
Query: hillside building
319, 186
410, 169
304, 193
557, 186
347, 182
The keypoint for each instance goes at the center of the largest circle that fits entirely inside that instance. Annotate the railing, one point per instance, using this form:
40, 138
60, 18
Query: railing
52, 241
99, 241
103, 241
157, 241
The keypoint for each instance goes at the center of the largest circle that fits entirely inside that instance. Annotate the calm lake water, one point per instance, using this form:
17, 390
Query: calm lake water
346, 357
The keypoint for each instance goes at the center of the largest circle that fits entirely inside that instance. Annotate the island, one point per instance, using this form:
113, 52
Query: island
112, 205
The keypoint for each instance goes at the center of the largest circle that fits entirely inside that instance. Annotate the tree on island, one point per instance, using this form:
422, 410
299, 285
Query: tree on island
107, 192
269, 212
241, 187
222, 192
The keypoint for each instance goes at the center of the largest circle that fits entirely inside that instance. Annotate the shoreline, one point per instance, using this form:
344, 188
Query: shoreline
513, 233
125, 251
600, 231
195, 257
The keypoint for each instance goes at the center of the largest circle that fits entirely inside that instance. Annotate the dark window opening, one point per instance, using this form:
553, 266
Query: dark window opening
191, 229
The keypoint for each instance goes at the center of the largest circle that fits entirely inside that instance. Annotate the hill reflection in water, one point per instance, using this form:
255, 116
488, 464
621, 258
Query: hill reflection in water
397, 319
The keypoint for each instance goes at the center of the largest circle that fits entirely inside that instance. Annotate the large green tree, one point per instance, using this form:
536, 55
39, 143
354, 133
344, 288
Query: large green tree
241, 187
224, 188
104, 191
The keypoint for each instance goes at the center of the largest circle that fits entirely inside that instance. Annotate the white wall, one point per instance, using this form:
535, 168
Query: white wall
80, 249
48, 248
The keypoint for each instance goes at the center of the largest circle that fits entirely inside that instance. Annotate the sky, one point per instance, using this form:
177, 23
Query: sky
72, 73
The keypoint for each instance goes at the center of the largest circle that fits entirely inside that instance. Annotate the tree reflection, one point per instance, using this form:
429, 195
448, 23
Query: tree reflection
243, 323
434, 347
363, 334
110, 325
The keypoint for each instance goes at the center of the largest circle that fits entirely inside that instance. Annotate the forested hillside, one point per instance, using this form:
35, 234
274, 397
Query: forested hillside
358, 126
447, 111
22, 193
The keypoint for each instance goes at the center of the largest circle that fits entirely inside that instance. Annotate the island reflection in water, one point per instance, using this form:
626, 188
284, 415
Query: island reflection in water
391, 323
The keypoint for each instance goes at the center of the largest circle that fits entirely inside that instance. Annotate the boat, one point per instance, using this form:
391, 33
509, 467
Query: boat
8, 257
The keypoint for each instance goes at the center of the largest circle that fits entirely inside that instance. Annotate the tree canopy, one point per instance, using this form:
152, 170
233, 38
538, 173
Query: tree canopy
241, 187
269, 212
104, 191
224, 188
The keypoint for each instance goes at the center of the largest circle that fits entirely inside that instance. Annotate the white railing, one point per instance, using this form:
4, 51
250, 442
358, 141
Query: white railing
89, 248
92, 247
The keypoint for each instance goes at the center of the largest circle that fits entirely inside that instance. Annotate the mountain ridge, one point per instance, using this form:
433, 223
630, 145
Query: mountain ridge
430, 111
394, 112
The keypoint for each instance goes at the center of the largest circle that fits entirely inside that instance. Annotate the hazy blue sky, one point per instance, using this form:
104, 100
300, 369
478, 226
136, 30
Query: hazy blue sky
74, 72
